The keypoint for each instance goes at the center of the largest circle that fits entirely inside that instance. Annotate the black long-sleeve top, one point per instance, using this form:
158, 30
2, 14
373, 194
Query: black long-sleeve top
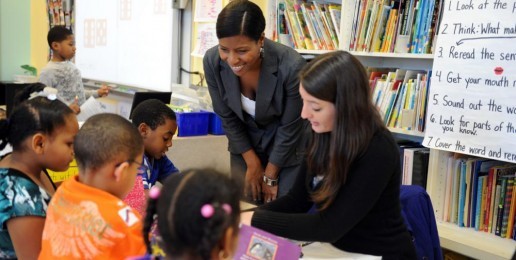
365, 217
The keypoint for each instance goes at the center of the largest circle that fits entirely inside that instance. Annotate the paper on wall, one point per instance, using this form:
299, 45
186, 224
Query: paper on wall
207, 38
207, 10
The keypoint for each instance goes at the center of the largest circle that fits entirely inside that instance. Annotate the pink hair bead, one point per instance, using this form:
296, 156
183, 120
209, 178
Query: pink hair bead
207, 210
154, 192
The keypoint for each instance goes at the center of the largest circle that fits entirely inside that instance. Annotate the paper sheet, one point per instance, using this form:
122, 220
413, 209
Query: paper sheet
207, 10
89, 108
206, 39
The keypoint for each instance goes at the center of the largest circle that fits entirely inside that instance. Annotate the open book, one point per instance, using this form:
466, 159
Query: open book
254, 243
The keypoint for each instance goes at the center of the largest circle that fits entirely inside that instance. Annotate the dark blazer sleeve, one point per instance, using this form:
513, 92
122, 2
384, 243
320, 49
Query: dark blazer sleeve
291, 124
234, 127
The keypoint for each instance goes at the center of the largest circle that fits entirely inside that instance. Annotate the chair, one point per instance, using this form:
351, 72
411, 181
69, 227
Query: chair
418, 213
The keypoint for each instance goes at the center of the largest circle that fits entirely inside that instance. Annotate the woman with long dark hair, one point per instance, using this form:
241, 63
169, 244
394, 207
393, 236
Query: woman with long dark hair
348, 192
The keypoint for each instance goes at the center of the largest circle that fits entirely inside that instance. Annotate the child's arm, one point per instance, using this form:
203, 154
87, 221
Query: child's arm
26, 234
166, 168
101, 92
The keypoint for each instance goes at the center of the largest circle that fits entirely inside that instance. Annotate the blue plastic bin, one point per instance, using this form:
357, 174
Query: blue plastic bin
192, 123
215, 124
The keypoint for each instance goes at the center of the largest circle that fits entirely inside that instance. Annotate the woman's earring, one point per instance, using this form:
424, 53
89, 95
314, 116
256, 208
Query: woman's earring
261, 52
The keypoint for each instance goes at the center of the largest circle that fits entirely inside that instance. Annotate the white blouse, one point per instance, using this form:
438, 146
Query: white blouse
248, 105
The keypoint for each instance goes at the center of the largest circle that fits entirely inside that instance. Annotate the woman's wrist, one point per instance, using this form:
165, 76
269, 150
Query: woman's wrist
271, 171
270, 182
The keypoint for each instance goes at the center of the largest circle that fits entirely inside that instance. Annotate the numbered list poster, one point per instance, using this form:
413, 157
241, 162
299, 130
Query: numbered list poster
472, 99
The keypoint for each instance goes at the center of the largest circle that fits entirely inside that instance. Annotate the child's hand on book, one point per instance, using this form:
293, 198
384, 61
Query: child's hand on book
75, 106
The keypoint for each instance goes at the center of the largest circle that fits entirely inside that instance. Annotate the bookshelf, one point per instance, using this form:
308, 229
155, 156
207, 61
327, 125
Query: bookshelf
466, 241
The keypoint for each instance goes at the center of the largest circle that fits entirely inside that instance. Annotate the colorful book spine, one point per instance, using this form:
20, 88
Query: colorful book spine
507, 205
512, 213
501, 204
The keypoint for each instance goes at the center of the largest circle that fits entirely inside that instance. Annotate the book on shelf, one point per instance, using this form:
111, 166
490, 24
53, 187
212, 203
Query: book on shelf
283, 28
335, 12
254, 243
415, 166
507, 206
321, 11
512, 212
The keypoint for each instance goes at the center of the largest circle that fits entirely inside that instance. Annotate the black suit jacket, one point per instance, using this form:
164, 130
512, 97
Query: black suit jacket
277, 130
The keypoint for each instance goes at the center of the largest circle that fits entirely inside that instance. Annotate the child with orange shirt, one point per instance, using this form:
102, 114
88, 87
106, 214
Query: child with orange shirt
87, 218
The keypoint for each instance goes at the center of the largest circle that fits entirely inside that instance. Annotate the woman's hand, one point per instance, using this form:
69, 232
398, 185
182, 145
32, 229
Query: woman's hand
253, 182
270, 193
253, 175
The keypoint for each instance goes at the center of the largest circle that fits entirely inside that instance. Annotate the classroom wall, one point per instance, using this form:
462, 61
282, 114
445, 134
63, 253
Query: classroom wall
14, 37
23, 30
38, 32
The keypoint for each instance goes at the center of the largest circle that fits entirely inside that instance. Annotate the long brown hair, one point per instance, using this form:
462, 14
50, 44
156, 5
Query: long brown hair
338, 77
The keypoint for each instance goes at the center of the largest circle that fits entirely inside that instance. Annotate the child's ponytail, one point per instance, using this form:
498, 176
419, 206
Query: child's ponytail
214, 227
149, 216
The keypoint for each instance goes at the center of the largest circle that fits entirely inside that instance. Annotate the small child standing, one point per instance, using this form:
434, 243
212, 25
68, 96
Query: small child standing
198, 214
87, 218
157, 124
41, 132
62, 74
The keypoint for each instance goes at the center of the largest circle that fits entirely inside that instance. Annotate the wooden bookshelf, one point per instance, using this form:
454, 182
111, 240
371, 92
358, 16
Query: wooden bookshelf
479, 245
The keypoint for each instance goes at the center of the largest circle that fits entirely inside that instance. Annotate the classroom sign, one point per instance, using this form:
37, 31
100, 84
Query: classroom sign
472, 99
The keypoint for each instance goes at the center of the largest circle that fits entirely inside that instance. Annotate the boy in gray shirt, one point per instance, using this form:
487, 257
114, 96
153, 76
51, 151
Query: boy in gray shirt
62, 74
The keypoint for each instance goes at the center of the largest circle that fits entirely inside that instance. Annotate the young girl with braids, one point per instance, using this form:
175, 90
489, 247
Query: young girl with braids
197, 214
41, 132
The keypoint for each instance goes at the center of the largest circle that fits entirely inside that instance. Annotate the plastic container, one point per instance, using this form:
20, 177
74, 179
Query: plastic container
192, 123
215, 127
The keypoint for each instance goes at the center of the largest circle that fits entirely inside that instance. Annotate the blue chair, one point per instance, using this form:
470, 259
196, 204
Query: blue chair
418, 213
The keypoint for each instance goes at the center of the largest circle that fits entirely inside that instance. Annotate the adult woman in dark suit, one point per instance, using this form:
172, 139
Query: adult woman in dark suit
253, 84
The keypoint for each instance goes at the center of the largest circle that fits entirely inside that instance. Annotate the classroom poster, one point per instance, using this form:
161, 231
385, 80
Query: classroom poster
207, 10
206, 38
472, 99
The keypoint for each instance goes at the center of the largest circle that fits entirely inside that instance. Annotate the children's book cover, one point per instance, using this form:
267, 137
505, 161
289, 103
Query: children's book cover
257, 244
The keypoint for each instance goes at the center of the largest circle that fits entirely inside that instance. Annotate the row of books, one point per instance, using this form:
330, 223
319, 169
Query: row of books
401, 26
480, 193
308, 26
401, 96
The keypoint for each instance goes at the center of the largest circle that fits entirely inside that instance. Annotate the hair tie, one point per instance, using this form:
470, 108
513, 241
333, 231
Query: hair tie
48, 92
154, 192
226, 208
